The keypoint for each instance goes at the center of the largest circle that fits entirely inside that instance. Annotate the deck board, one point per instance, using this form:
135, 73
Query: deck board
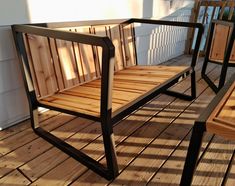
151, 144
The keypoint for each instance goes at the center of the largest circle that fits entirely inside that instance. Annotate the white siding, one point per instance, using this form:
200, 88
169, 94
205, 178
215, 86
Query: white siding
161, 43
154, 48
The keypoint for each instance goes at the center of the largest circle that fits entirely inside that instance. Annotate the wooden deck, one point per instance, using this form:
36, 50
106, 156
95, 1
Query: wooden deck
151, 145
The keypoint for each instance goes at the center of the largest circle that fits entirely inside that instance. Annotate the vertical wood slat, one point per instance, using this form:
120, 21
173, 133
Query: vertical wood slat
67, 62
57, 65
129, 45
100, 30
86, 61
76, 58
114, 33
42, 63
79, 58
83, 60
219, 42
31, 66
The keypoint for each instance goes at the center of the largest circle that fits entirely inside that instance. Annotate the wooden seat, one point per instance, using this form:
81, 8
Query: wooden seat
220, 50
219, 119
129, 86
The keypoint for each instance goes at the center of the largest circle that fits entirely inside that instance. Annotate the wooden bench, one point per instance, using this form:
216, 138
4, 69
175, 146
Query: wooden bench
218, 118
89, 69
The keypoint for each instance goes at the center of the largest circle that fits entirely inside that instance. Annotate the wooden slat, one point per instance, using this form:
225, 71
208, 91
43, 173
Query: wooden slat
31, 66
124, 85
57, 65
115, 32
129, 46
67, 62
119, 96
100, 30
14, 178
219, 42
86, 64
43, 65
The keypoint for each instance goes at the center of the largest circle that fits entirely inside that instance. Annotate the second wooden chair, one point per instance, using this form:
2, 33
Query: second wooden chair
220, 50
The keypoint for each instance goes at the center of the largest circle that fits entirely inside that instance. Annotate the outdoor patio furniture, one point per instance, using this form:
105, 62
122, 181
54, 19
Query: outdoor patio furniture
89, 69
219, 119
220, 50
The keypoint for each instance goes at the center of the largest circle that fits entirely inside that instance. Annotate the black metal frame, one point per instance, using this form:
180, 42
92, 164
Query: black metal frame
199, 129
225, 64
106, 118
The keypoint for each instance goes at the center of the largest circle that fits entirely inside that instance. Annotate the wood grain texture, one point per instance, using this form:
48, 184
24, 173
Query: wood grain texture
43, 64
211, 169
86, 98
220, 42
222, 119
14, 178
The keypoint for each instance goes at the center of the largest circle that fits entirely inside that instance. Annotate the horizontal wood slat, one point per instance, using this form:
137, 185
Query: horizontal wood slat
128, 89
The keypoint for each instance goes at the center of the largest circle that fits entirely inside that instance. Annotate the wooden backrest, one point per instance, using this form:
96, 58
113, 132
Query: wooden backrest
220, 42
123, 40
56, 64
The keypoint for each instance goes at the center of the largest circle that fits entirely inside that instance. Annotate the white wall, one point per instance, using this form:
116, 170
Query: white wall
13, 103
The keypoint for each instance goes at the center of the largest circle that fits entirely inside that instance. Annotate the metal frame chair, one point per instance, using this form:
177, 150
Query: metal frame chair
226, 60
208, 121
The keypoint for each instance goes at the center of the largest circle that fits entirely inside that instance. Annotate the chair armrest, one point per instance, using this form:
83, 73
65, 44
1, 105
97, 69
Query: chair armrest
198, 26
108, 53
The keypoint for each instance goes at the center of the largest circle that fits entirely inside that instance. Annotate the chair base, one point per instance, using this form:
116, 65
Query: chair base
76, 154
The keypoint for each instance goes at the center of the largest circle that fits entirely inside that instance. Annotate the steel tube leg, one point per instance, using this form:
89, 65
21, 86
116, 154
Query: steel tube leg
109, 146
192, 155
34, 119
193, 85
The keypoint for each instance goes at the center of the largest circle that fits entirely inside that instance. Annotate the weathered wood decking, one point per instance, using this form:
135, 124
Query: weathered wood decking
151, 145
